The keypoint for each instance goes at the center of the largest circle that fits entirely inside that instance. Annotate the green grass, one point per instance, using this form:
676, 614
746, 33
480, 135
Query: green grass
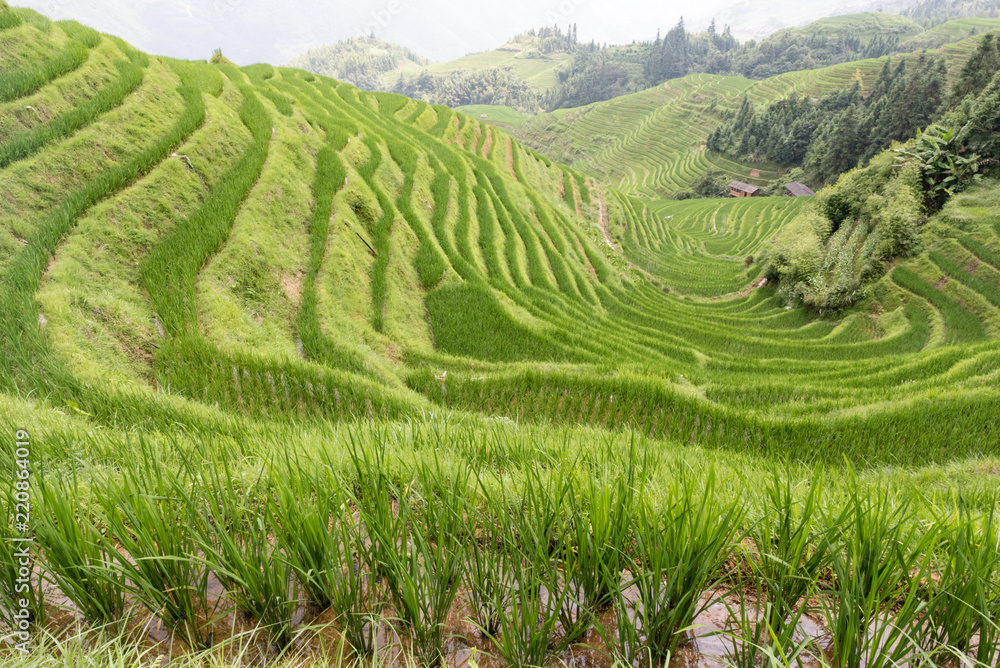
494, 115
540, 72
366, 363
27, 80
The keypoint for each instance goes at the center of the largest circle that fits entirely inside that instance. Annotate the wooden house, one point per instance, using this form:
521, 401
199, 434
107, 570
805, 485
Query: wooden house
740, 189
796, 189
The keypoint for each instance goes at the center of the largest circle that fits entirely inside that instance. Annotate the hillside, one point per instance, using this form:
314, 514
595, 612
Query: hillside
361, 61
447, 246
300, 372
653, 142
534, 56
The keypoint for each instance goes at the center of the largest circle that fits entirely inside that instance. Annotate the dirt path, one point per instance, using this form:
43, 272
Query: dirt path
602, 213
510, 158
477, 132
488, 144
753, 286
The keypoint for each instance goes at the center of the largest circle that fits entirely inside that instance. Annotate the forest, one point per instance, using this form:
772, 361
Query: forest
830, 135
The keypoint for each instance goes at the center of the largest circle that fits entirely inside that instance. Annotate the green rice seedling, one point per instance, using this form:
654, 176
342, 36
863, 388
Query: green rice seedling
786, 560
600, 535
331, 557
357, 596
546, 589
756, 642
963, 595
424, 574
881, 557
487, 577
678, 551
239, 545
76, 556
150, 510
376, 496
309, 514
527, 627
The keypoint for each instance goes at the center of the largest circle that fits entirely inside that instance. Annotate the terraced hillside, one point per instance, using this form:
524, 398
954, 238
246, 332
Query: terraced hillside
652, 143
277, 244
291, 372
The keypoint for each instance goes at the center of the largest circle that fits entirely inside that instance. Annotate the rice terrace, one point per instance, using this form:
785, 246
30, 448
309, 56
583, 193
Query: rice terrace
295, 373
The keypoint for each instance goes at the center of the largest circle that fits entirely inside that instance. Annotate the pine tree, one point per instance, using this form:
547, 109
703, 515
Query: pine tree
842, 152
979, 69
984, 120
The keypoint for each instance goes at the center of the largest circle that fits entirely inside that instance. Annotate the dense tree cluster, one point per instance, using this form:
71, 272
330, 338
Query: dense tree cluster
359, 60
494, 85
544, 41
831, 135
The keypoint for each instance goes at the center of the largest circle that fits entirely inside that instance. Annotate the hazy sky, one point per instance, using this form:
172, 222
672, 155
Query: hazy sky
276, 30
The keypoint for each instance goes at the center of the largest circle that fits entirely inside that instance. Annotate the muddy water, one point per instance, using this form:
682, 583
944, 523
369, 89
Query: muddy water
707, 644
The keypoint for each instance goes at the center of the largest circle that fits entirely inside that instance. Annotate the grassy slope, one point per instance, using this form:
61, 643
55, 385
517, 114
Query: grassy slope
865, 25
651, 142
307, 250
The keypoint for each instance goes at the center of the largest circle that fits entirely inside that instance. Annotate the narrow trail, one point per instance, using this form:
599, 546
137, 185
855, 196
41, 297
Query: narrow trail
603, 221
603, 224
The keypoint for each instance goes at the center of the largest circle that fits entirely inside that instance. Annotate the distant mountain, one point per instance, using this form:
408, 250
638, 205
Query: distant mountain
754, 19
934, 12
550, 67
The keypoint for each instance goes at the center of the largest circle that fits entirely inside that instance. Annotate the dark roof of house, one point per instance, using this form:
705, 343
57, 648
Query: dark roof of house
799, 189
745, 187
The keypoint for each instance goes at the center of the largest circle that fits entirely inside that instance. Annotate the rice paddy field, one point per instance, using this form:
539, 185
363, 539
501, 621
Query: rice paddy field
652, 143
296, 374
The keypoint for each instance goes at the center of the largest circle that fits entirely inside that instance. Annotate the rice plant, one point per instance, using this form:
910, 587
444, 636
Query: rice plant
18, 581
788, 557
600, 535
76, 556
527, 627
150, 511
678, 551
238, 540
326, 547
488, 575
424, 574
963, 597
881, 557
